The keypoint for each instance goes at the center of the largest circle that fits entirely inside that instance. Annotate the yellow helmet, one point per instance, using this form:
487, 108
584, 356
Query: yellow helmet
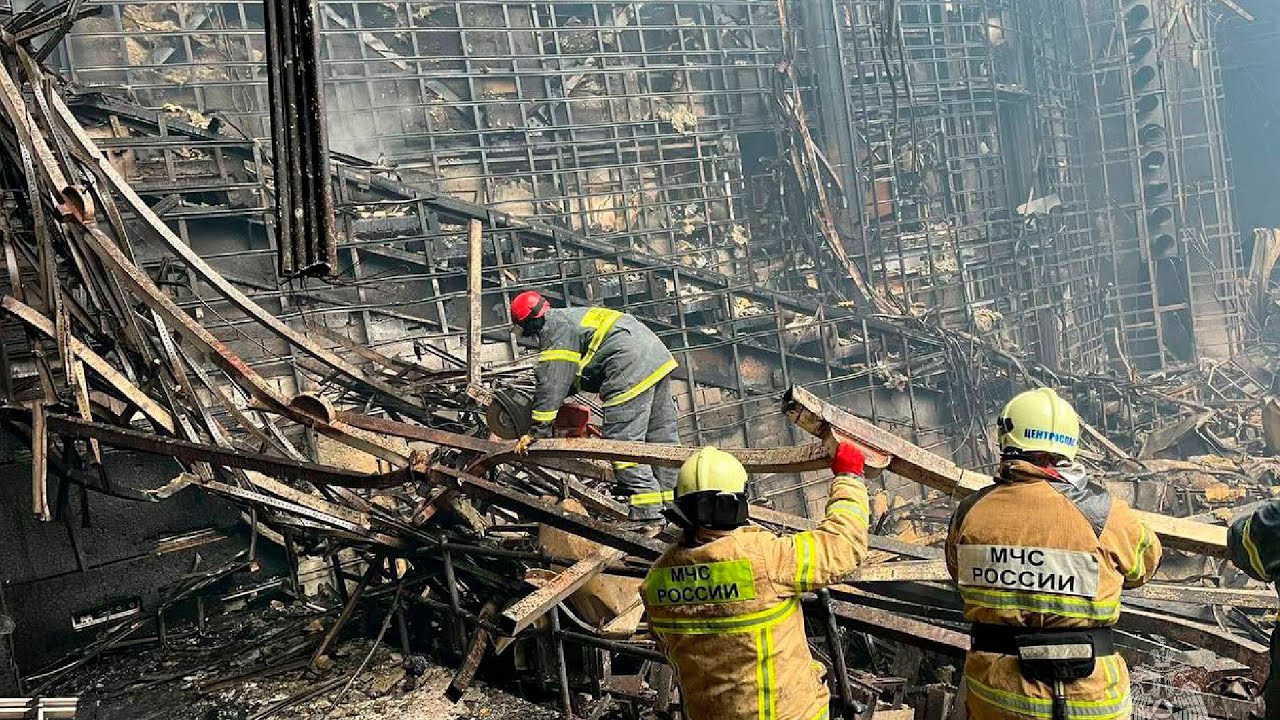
711, 469
1040, 421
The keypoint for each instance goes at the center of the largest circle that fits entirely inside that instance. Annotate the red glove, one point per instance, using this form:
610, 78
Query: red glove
849, 460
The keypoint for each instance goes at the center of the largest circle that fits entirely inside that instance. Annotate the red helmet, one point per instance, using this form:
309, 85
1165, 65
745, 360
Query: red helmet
528, 304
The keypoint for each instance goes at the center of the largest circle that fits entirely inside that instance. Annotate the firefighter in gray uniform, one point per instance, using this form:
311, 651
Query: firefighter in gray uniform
609, 352
1254, 544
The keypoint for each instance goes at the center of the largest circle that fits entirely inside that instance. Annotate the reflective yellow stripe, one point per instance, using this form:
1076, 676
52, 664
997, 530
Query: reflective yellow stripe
804, 561
1039, 707
766, 699
602, 319
545, 416
649, 498
572, 356
751, 622
848, 506
620, 465
1059, 605
1255, 558
1140, 564
643, 385
822, 714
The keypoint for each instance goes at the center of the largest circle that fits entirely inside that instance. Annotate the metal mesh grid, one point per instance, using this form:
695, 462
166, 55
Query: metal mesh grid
1164, 182
616, 119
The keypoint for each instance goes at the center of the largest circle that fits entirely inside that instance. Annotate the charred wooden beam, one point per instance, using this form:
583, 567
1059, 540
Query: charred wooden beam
915, 463
538, 603
560, 451
475, 653
544, 512
214, 455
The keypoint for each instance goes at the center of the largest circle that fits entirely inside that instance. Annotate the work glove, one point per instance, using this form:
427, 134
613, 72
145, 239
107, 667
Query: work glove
522, 445
848, 460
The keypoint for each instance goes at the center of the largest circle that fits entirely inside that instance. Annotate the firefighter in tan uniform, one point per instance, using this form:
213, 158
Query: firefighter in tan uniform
1040, 558
725, 603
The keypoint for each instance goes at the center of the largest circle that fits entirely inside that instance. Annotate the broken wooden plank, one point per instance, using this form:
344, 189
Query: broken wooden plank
475, 288
876, 542
538, 603
1195, 595
916, 570
813, 456
915, 463
199, 452
39, 462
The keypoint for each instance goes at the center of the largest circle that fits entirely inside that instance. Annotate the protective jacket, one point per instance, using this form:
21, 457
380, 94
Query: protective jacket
1254, 544
727, 612
1046, 548
599, 350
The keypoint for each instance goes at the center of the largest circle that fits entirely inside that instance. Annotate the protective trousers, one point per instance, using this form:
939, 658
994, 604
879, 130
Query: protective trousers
648, 417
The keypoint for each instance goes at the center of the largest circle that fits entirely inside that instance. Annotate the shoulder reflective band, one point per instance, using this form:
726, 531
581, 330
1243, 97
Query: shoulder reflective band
847, 506
1251, 548
1029, 569
1140, 550
718, 582
602, 319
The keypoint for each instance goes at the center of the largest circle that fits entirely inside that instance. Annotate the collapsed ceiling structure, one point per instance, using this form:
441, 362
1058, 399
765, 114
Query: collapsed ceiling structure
878, 219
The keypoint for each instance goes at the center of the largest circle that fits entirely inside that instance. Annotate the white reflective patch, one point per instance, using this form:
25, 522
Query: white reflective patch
1040, 570
1082, 651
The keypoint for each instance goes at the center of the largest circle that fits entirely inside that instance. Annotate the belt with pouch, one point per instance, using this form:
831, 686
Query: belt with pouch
1008, 640
1053, 657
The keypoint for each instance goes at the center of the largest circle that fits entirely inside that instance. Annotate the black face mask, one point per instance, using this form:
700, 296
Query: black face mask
532, 326
711, 510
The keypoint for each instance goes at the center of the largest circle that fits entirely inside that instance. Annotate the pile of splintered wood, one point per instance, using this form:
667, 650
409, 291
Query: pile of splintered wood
458, 526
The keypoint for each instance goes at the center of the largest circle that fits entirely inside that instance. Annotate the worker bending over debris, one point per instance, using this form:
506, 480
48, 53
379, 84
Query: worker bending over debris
611, 353
1254, 544
1040, 558
725, 602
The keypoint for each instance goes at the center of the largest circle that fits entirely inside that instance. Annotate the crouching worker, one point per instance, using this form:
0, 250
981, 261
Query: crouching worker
725, 602
608, 352
1040, 558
